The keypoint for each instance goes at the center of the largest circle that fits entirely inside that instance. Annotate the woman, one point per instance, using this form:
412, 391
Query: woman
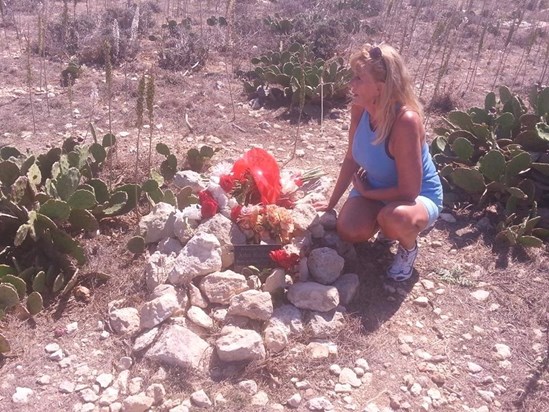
396, 188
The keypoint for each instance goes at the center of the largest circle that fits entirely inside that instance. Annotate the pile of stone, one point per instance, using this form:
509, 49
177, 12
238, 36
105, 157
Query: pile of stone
199, 307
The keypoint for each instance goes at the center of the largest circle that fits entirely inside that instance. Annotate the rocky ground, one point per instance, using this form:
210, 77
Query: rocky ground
469, 332
448, 340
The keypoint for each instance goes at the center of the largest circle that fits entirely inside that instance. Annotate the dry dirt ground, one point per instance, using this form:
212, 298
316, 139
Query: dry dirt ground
423, 337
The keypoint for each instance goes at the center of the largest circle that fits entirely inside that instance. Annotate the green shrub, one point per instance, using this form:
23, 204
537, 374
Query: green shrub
298, 74
499, 154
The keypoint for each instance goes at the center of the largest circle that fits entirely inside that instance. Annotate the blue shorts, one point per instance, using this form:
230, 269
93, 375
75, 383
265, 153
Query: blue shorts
433, 210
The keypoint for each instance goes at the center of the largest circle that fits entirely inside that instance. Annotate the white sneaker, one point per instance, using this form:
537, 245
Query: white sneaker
403, 266
384, 240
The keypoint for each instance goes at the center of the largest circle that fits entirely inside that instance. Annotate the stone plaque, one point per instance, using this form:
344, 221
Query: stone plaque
254, 255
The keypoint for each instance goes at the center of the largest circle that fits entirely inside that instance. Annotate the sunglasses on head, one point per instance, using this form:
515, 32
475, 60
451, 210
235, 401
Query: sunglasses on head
376, 54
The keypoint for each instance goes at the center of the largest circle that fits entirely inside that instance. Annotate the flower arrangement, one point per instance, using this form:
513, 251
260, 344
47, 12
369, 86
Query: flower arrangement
258, 196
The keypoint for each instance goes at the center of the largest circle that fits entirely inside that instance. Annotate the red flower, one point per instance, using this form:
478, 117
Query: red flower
227, 183
235, 213
284, 259
264, 171
208, 205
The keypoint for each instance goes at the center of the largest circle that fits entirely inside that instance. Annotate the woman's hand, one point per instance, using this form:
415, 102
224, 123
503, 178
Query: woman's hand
360, 181
322, 206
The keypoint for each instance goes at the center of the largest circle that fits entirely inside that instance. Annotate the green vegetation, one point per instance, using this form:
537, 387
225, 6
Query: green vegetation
300, 76
44, 201
499, 155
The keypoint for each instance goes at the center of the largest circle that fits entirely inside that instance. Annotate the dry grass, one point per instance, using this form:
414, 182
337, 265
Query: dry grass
517, 279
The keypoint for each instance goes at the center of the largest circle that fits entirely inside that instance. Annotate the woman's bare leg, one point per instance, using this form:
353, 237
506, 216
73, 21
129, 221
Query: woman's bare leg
357, 220
403, 221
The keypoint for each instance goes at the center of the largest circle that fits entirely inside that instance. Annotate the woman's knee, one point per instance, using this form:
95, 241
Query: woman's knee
353, 233
395, 218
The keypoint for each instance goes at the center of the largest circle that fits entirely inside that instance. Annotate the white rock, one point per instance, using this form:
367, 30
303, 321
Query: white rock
372, 407
294, 401
422, 301
415, 389
71, 327
238, 344
200, 256
57, 356
325, 265
480, 295
427, 284
158, 224
196, 298
88, 407
22, 395
220, 287
137, 403
44, 380
88, 395
189, 178
67, 387
228, 234
434, 394
252, 304
157, 269
343, 388
488, 396
145, 339
335, 369
319, 404
327, 324
474, 368
135, 385
124, 321
179, 346
170, 246
248, 386
109, 396
362, 363
260, 399
52, 347
158, 310
275, 281
104, 380
200, 399
348, 376
317, 350
347, 287
313, 296
199, 317
503, 351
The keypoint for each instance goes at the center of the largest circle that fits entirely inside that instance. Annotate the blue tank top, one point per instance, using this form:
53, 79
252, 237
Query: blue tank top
381, 168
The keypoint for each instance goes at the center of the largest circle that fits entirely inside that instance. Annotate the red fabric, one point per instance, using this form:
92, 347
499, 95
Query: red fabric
227, 183
265, 173
235, 213
284, 259
208, 205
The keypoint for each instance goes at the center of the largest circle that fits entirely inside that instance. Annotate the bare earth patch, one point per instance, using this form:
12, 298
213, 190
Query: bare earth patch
468, 332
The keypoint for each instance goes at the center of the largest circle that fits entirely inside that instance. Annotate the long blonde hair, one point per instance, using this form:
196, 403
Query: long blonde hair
387, 67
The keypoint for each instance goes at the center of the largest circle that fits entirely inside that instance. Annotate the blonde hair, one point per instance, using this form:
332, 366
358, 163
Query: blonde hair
398, 90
